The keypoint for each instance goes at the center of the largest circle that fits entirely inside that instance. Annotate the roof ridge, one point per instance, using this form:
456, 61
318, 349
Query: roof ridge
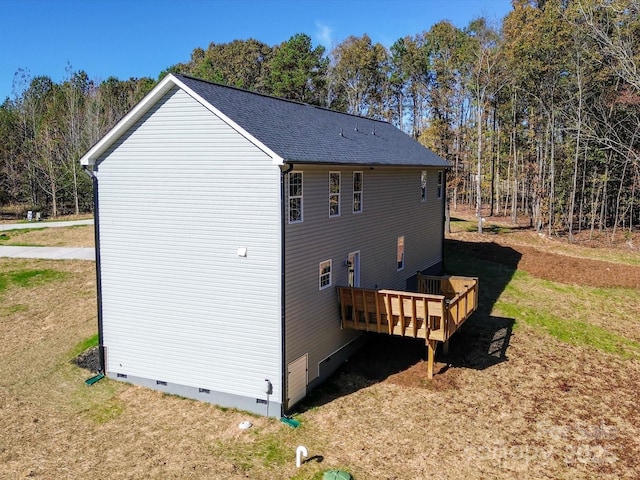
283, 99
231, 87
283, 129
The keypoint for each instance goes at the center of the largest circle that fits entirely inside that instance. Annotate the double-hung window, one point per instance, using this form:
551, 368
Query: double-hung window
295, 197
357, 192
334, 194
423, 186
325, 274
440, 183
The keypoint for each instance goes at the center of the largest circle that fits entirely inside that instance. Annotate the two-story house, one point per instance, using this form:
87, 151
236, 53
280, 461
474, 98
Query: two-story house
224, 221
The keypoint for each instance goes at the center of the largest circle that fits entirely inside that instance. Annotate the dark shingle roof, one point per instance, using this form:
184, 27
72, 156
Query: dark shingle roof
303, 133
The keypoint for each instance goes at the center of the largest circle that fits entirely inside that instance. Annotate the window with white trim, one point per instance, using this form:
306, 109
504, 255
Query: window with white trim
440, 183
400, 253
325, 274
423, 186
334, 194
357, 192
295, 197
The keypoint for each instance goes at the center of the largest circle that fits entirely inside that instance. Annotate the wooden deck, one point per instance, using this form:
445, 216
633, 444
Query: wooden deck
434, 314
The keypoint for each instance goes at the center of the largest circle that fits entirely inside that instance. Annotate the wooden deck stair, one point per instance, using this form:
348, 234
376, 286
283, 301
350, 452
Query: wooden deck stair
437, 312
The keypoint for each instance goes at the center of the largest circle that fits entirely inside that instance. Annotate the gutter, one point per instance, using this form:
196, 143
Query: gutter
283, 222
96, 229
446, 215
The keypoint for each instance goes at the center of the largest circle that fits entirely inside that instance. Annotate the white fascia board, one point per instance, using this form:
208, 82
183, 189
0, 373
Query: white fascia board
277, 159
89, 158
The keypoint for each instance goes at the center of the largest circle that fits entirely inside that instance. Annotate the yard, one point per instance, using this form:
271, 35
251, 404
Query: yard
542, 382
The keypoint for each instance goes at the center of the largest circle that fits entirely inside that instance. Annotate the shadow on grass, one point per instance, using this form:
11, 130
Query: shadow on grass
481, 343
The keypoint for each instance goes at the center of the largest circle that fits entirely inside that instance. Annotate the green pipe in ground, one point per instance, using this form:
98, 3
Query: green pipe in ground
95, 379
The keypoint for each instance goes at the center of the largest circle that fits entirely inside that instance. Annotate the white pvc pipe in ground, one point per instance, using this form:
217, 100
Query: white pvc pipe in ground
300, 452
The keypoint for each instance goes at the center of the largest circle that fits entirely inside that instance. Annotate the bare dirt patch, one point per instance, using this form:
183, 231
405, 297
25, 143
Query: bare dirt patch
553, 258
548, 265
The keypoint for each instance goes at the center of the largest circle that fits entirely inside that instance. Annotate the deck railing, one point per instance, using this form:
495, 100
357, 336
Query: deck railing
434, 314
389, 311
461, 300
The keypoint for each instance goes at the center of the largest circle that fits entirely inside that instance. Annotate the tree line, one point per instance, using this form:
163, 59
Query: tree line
46, 129
539, 115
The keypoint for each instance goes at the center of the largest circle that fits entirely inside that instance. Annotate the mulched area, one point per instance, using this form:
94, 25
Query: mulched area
89, 360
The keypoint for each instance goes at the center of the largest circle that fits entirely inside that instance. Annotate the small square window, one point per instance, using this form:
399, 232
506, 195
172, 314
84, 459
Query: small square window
325, 274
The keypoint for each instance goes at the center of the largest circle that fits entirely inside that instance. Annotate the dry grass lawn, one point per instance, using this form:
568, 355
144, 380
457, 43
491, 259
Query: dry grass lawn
522, 394
78, 236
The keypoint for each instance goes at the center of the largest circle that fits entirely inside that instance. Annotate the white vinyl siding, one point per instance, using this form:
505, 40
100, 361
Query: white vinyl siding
177, 199
393, 210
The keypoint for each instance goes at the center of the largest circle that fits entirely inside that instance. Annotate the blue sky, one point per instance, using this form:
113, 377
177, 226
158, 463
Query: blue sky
137, 38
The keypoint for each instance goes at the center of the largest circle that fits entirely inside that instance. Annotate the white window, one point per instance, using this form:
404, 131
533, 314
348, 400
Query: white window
400, 253
295, 197
440, 182
423, 186
325, 274
357, 192
334, 194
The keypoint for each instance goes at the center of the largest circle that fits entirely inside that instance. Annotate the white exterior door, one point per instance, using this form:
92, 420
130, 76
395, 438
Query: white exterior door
297, 380
353, 260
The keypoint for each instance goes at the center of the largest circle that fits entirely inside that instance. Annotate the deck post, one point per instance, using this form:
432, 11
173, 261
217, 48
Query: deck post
431, 353
445, 347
